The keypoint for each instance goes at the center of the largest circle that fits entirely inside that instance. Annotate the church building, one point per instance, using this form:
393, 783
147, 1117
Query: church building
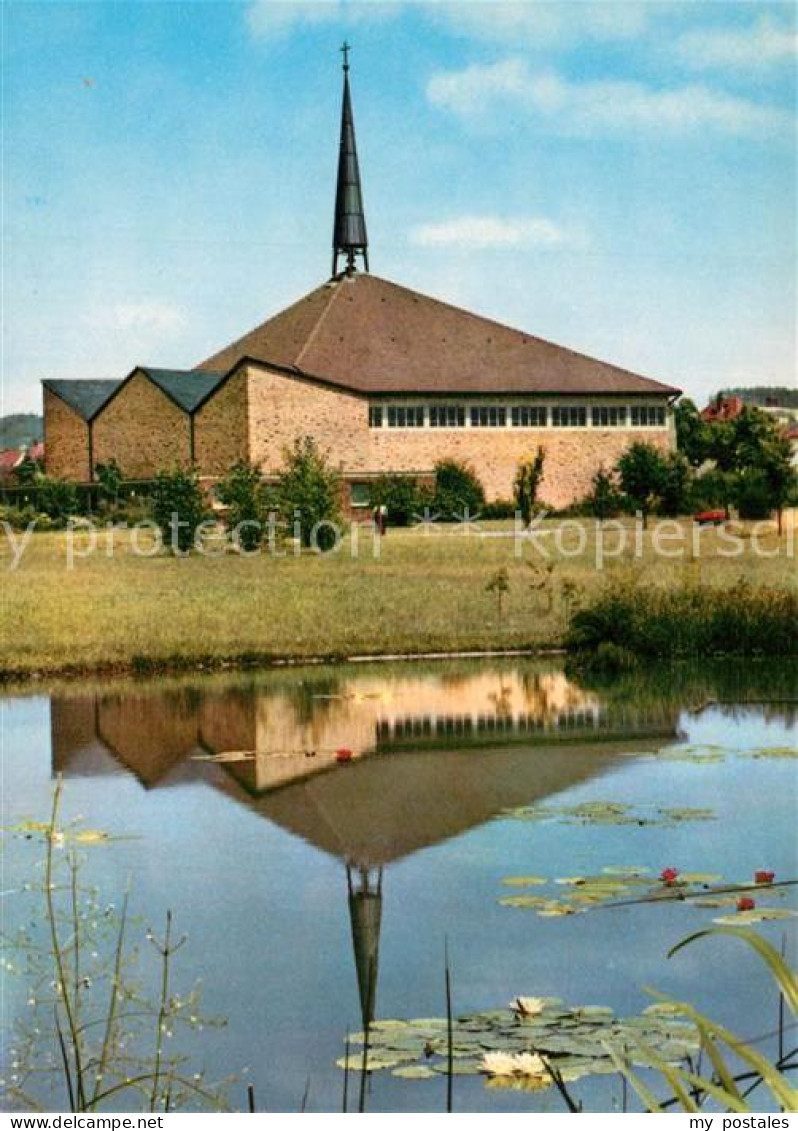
385, 380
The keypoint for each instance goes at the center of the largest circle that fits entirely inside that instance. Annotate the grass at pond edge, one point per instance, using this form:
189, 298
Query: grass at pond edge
423, 597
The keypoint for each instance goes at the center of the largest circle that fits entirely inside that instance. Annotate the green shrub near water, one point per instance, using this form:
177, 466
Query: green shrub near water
693, 620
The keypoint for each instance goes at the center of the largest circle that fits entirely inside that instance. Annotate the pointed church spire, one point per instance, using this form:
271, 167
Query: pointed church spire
349, 231
365, 914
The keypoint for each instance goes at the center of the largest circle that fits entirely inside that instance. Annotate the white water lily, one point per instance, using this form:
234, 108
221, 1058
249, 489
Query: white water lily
498, 1064
506, 1064
529, 1006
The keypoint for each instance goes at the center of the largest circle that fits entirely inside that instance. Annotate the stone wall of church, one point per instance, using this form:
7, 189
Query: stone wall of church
572, 455
143, 430
221, 427
66, 440
283, 408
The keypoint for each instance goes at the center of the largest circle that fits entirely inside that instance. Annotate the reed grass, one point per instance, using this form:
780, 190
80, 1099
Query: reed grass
628, 621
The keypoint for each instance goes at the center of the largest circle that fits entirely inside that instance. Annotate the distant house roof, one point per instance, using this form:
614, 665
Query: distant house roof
186, 387
10, 459
375, 337
85, 397
723, 408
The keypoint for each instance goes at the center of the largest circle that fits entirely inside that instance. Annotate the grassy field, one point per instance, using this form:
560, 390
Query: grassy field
425, 593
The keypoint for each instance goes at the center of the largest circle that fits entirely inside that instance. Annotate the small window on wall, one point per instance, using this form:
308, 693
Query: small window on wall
406, 416
488, 416
569, 416
446, 416
611, 417
375, 416
359, 495
648, 416
527, 416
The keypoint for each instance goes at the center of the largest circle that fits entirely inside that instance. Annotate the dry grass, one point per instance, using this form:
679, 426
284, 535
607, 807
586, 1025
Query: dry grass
426, 592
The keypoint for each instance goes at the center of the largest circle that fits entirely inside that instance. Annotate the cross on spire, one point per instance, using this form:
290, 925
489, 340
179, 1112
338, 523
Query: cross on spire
349, 229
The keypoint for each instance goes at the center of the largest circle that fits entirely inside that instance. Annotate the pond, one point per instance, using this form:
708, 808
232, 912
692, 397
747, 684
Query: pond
321, 835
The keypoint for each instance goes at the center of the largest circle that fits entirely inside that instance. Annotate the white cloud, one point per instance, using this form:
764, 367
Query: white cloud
763, 43
480, 92
468, 91
480, 232
542, 23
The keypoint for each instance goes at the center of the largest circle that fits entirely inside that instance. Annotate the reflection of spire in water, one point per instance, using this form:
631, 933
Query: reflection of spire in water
365, 913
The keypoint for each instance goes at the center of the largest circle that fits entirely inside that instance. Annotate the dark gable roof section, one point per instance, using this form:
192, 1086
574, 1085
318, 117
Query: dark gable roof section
86, 398
188, 388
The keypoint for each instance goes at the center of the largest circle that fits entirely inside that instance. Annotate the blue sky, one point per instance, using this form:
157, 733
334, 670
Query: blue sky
616, 176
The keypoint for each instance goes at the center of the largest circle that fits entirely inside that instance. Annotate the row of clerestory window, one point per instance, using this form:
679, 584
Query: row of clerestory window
516, 416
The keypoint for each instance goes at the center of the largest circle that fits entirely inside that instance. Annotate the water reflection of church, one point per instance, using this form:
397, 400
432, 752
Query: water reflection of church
432, 756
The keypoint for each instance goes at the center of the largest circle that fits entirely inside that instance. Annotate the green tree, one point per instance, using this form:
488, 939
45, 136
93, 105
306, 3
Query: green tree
692, 434
674, 496
754, 442
604, 498
308, 494
527, 481
243, 492
642, 471
178, 507
457, 490
109, 478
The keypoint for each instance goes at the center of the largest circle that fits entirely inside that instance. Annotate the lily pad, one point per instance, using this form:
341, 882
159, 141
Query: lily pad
773, 752
524, 881
414, 1072
756, 915
700, 877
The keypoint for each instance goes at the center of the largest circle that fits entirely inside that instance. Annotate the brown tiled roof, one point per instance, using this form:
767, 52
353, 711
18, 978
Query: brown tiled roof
372, 336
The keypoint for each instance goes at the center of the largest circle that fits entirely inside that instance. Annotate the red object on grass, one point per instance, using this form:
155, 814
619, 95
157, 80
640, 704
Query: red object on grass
763, 877
343, 755
669, 875
705, 517
745, 903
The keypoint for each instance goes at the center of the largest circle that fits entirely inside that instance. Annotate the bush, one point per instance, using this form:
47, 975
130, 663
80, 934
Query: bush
178, 507
457, 490
688, 621
675, 496
499, 508
401, 497
19, 518
527, 481
711, 490
752, 495
604, 500
244, 493
56, 498
308, 494
109, 480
